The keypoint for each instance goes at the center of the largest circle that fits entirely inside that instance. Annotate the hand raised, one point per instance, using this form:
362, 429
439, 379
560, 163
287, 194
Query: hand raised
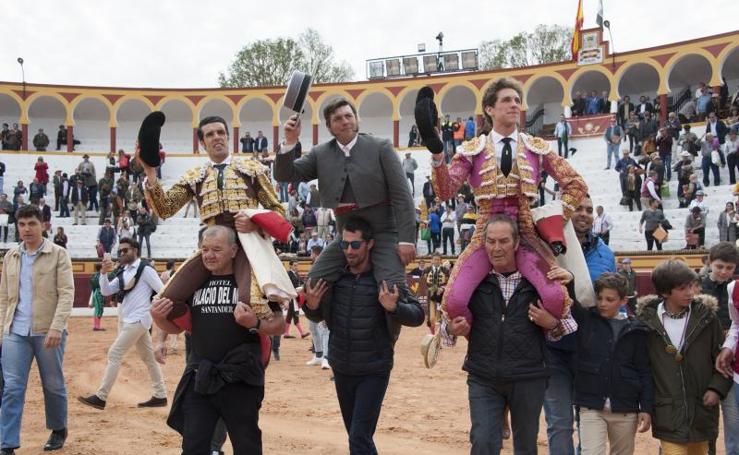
389, 297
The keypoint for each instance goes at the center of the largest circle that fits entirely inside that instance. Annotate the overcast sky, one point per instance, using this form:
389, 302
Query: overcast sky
185, 43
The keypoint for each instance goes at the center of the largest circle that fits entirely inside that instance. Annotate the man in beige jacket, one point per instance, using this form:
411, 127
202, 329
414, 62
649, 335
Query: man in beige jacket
36, 295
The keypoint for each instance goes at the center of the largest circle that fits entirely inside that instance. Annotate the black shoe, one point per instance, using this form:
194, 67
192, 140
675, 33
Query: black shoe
289, 336
153, 402
92, 400
56, 440
276, 355
7, 452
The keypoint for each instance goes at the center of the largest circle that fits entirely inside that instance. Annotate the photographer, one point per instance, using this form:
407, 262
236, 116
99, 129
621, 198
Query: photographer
134, 282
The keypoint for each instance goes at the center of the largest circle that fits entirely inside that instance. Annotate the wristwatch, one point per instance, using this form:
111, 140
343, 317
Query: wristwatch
255, 330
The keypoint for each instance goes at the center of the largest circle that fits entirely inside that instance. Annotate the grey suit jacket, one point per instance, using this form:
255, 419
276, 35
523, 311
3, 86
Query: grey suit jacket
373, 169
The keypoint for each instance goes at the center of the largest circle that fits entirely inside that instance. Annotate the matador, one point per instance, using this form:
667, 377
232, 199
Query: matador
226, 189
502, 165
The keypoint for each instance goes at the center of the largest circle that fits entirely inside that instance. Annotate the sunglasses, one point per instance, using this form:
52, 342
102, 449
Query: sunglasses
123, 251
356, 244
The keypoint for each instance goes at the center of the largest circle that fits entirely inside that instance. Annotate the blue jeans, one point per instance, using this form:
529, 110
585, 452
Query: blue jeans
360, 399
612, 152
558, 409
284, 195
667, 160
18, 354
730, 412
487, 404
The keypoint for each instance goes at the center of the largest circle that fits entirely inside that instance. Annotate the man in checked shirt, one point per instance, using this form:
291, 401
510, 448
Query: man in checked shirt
505, 355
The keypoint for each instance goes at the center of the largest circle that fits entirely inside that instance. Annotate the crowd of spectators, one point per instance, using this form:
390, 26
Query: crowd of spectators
116, 200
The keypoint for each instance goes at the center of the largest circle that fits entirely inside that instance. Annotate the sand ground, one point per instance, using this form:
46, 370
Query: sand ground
425, 411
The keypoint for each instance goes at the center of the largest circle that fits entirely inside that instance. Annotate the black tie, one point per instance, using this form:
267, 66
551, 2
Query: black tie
506, 161
220, 168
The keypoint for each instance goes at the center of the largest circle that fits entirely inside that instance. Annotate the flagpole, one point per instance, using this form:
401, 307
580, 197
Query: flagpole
611, 46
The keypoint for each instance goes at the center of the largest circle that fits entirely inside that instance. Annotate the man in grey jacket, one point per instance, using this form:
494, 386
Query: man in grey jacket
358, 175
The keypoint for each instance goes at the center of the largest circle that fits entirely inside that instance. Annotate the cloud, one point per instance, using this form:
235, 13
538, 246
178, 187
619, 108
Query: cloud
170, 43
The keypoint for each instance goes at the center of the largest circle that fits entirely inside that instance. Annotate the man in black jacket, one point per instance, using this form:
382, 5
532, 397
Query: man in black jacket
505, 354
716, 127
363, 328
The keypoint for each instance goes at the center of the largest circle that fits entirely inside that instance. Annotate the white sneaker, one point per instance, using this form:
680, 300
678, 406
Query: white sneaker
324, 364
314, 361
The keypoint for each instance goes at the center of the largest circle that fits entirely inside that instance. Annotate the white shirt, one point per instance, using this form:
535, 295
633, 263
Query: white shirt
731, 147
285, 148
498, 143
701, 204
561, 128
712, 128
135, 306
652, 190
675, 328
449, 220
227, 161
602, 224
347, 149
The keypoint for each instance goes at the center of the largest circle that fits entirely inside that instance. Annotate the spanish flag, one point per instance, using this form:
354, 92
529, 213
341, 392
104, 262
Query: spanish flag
576, 42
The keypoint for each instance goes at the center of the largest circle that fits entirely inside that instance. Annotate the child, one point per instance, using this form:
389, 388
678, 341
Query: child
683, 345
722, 260
613, 384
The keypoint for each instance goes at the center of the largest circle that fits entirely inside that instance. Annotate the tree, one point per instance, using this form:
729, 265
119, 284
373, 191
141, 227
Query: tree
319, 59
272, 61
546, 44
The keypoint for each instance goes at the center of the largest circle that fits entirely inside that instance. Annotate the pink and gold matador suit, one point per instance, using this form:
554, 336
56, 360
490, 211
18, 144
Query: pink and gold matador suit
475, 162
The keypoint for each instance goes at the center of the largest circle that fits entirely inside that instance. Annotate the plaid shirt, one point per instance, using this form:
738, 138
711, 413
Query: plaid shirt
508, 285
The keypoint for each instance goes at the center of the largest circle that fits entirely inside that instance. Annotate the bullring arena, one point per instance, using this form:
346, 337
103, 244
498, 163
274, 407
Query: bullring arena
425, 411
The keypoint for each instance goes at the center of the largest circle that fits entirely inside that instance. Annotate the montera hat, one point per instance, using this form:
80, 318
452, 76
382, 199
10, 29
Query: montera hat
426, 119
297, 91
151, 129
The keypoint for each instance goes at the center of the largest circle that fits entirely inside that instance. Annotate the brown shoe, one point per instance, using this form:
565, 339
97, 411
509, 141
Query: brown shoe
92, 401
153, 402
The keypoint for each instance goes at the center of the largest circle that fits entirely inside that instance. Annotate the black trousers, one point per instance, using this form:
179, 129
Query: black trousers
410, 176
651, 241
436, 240
237, 404
448, 234
92, 191
360, 400
732, 161
293, 314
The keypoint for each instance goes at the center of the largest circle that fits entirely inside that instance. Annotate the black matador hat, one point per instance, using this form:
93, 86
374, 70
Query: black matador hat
297, 91
427, 117
149, 133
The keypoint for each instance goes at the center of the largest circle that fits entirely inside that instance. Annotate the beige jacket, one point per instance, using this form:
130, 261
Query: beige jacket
53, 288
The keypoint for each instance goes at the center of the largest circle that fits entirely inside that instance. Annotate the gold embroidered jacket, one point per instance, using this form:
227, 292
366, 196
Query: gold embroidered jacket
246, 185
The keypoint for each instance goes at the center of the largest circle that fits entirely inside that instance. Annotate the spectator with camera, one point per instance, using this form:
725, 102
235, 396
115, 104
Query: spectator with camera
133, 283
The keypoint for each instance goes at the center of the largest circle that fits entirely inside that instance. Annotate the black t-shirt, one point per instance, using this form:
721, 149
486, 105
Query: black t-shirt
214, 329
